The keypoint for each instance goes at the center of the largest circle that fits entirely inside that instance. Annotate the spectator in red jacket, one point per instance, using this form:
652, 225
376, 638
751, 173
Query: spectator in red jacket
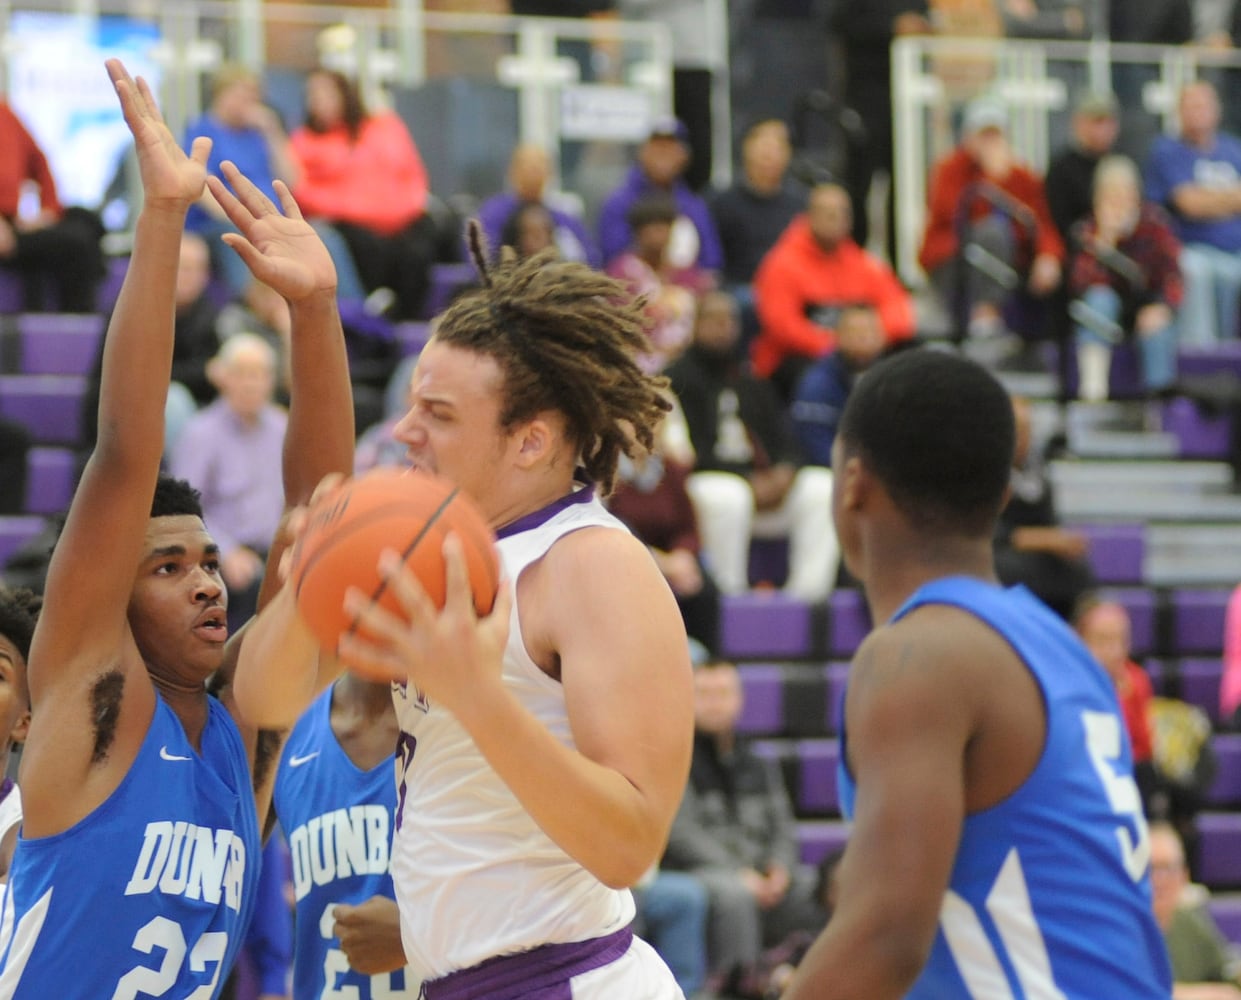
989, 232
814, 270
49, 245
361, 172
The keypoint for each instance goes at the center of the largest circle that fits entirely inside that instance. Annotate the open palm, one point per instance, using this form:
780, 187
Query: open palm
169, 176
279, 246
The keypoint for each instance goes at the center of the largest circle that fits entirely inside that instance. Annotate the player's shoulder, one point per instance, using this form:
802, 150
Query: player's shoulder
938, 642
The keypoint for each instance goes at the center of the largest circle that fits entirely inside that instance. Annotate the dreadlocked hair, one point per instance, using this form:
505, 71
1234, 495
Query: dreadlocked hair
566, 338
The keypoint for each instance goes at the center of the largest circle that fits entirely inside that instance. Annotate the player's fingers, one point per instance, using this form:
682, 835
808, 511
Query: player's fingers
200, 149
288, 204
369, 661
123, 84
247, 191
326, 485
406, 586
502, 609
147, 100
457, 593
255, 261
225, 199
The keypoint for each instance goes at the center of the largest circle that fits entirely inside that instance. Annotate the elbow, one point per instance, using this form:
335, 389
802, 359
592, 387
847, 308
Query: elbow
626, 860
625, 868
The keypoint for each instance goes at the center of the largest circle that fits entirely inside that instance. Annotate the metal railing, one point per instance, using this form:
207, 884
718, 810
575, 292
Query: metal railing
469, 85
933, 78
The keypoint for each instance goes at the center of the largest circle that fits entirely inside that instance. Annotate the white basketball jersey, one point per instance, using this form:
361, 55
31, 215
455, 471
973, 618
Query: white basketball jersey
475, 877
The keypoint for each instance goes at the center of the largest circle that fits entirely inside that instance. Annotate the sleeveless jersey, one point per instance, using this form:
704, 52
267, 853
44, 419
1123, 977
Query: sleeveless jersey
338, 822
149, 895
1049, 897
475, 876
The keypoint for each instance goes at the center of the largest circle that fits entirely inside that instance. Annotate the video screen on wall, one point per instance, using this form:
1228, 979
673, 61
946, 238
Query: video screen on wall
58, 86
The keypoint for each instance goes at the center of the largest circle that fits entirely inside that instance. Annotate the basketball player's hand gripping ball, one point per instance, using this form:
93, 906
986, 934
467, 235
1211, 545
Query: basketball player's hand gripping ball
349, 525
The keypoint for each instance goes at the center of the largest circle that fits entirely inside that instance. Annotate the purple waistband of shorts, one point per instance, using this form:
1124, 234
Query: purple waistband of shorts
542, 973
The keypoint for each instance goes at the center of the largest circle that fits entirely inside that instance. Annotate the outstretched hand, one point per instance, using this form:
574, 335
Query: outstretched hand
280, 248
170, 178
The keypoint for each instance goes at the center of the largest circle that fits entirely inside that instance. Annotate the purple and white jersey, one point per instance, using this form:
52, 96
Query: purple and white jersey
475, 876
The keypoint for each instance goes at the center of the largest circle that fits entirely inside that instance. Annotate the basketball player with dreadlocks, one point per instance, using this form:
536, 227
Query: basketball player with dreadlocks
544, 748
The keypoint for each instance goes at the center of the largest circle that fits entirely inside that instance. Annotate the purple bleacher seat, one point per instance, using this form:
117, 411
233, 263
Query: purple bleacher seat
817, 792
1116, 551
1140, 603
1226, 909
1199, 435
849, 622
16, 532
763, 708
764, 623
1220, 848
1200, 679
819, 838
446, 281
1198, 620
59, 343
49, 405
51, 473
12, 294
1224, 356
1225, 790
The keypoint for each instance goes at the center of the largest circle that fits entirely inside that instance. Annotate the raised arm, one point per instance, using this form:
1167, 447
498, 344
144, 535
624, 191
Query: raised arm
87, 680
283, 251
83, 619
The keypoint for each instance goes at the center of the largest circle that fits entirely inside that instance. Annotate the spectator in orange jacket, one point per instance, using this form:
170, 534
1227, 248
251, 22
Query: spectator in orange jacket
989, 232
361, 172
814, 270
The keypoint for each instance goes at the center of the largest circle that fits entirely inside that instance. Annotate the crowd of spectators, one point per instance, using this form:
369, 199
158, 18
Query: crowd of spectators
767, 302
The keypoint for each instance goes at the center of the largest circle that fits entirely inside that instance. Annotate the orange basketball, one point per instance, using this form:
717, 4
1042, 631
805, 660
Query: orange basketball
406, 510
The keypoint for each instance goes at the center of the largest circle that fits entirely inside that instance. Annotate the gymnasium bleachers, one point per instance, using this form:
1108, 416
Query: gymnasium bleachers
1153, 497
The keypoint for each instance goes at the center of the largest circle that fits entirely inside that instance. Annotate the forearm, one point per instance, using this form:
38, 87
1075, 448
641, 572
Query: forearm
137, 355
591, 811
279, 669
1206, 204
320, 433
851, 960
1035, 538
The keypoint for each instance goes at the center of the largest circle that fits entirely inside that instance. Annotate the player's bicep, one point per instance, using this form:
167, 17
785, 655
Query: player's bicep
90, 577
908, 726
625, 667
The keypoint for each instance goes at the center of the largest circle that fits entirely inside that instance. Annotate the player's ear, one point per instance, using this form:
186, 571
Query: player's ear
535, 442
853, 482
17, 735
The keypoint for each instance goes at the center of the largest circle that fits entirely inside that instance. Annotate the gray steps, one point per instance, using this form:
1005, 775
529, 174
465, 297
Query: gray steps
1192, 554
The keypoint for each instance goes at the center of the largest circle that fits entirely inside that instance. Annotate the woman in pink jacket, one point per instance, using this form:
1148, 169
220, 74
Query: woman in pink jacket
361, 172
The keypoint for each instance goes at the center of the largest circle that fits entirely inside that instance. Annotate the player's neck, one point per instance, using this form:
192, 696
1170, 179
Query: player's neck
363, 698
188, 703
541, 494
894, 572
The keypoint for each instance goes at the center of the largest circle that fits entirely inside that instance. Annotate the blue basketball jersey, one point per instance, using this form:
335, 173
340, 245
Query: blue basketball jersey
338, 821
151, 894
1049, 897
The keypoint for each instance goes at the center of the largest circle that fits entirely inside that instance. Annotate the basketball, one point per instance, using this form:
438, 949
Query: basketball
409, 511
